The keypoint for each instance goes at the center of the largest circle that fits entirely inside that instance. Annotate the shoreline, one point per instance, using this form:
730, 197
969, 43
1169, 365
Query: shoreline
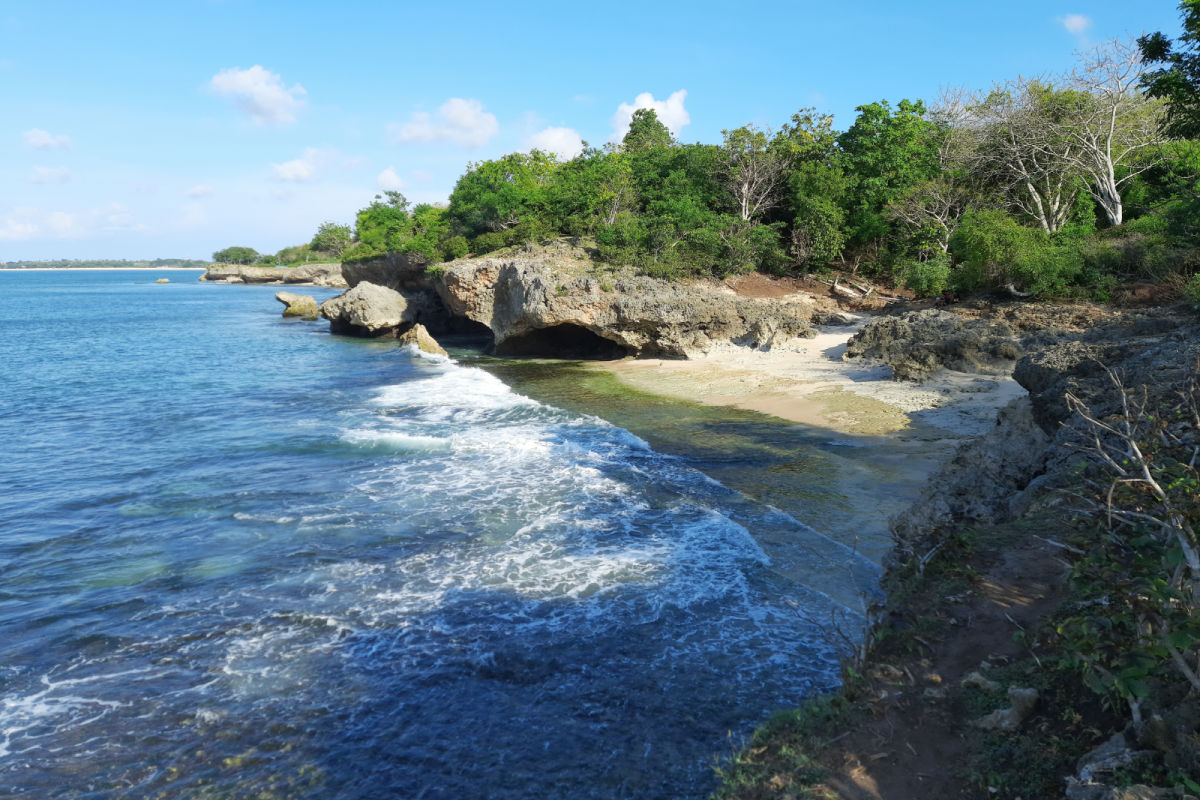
812, 384
101, 269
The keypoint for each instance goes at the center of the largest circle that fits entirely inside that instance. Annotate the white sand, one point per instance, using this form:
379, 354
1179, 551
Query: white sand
810, 382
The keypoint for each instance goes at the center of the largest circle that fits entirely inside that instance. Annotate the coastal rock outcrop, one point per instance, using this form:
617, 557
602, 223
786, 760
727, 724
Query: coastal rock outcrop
309, 274
553, 303
298, 305
918, 343
374, 311
417, 335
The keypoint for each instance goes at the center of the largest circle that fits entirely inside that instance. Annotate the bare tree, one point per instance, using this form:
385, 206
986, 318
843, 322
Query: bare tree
1115, 128
932, 210
1007, 140
756, 164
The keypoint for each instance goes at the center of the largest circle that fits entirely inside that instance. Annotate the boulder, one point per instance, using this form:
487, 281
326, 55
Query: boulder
298, 305
368, 310
1022, 702
417, 335
918, 343
163, 280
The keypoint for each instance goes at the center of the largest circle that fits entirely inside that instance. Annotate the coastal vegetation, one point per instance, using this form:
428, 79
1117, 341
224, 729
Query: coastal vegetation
1054, 186
1088, 600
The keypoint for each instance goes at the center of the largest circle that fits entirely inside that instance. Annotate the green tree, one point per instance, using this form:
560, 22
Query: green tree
1178, 81
236, 255
497, 195
332, 238
646, 132
887, 151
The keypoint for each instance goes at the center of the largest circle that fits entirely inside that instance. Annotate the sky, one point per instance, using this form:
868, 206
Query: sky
174, 129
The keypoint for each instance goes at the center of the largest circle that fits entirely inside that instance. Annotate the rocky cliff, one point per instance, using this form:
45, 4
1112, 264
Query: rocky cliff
308, 275
555, 301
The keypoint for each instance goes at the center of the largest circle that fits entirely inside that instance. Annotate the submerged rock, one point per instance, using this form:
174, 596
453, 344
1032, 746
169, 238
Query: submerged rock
419, 336
298, 305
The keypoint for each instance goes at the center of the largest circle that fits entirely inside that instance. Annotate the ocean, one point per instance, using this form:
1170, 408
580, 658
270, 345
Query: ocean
243, 558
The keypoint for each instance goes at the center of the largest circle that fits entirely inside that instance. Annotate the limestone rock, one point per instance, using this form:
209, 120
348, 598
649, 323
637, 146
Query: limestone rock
419, 336
163, 280
918, 343
1021, 704
309, 274
976, 681
298, 305
553, 303
368, 310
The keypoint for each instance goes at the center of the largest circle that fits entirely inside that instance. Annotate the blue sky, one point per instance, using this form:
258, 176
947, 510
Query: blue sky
173, 129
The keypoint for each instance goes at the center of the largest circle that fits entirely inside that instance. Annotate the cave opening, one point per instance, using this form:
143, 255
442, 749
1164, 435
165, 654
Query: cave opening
562, 341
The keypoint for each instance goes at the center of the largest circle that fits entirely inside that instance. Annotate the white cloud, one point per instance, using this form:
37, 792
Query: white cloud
50, 175
1076, 24
15, 230
670, 113
260, 93
63, 224
314, 161
39, 139
562, 142
200, 190
389, 181
463, 122
117, 218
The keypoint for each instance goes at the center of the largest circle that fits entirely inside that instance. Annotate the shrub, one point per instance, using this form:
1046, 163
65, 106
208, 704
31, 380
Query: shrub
455, 247
487, 242
926, 278
995, 250
1191, 290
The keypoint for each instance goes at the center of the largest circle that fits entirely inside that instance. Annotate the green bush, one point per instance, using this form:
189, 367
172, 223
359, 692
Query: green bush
995, 250
1191, 290
487, 242
926, 278
455, 247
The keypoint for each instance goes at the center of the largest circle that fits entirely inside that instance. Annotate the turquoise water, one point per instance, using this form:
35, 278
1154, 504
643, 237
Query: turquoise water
244, 558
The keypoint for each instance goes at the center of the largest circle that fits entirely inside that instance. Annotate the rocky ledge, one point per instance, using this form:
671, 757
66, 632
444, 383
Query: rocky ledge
307, 275
554, 301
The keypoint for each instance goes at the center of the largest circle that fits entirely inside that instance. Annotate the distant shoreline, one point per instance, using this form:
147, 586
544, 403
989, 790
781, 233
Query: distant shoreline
101, 269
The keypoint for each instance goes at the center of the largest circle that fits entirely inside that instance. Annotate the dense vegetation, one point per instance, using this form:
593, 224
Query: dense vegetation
93, 263
1049, 187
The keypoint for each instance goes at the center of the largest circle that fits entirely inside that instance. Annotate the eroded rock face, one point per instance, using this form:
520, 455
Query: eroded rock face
298, 305
403, 272
538, 305
369, 310
309, 274
419, 336
917, 344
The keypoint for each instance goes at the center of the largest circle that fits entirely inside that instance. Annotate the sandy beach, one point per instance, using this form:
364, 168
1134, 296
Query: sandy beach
812, 384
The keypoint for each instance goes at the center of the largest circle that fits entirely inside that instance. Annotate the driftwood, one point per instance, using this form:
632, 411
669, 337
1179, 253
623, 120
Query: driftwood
1013, 291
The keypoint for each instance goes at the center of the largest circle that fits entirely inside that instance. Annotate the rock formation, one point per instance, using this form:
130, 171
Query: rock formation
419, 336
375, 311
556, 304
309, 274
918, 343
298, 305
